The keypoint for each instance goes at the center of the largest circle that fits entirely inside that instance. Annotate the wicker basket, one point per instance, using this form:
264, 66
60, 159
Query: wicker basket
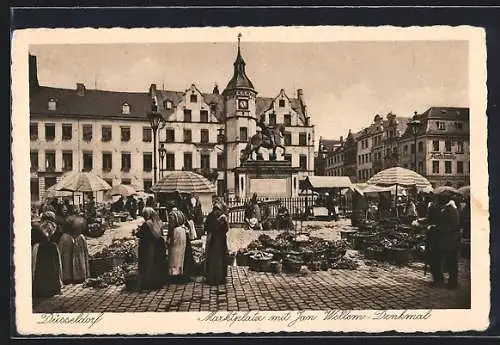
399, 256
98, 266
276, 267
374, 254
292, 266
315, 265
242, 259
265, 265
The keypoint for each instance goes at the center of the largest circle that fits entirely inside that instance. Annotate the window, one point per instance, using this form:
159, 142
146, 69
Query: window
170, 161
167, 104
288, 120
459, 125
187, 115
460, 147
447, 145
147, 184
170, 135
435, 167
188, 160
302, 139
126, 181
288, 157
125, 133
187, 136
412, 148
435, 145
50, 131
35, 189
205, 161
33, 131
440, 125
204, 136
288, 138
405, 150
303, 162
147, 134
107, 161
147, 161
272, 119
125, 109
67, 131
87, 160
126, 161
203, 116
420, 146
50, 181
460, 167
447, 167
359, 175
50, 161
194, 98
243, 134
87, 132
67, 157
52, 104
106, 133
420, 166
281, 103
34, 160
220, 162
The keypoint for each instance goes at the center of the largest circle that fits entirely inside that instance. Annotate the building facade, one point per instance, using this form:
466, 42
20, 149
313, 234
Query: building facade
442, 146
342, 160
325, 150
108, 132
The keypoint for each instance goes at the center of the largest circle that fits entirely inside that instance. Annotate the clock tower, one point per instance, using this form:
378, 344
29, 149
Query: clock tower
240, 117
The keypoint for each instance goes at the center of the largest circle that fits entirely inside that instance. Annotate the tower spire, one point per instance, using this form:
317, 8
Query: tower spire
239, 42
239, 79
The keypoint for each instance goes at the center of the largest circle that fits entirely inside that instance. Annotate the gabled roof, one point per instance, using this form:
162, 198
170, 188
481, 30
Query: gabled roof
94, 103
327, 182
438, 113
263, 104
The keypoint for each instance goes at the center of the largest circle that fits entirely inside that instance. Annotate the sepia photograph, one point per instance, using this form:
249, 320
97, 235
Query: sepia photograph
247, 178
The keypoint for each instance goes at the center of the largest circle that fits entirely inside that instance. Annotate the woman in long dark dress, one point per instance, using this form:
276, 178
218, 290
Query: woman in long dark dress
151, 250
45, 258
216, 227
74, 251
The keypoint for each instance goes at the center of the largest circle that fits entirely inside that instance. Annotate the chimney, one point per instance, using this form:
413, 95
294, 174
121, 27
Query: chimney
300, 95
152, 90
80, 89
341, 139
216, 90
33, 72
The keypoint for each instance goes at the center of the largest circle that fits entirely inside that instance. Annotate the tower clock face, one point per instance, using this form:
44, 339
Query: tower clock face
243, 104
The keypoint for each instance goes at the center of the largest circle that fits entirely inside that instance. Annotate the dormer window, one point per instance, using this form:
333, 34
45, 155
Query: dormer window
167, 104
52, 104
281, 103
125, 109
194, 98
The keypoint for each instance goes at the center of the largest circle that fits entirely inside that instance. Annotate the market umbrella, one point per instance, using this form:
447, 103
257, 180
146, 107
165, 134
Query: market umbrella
446, 190
81, 182
51, 192
122, 189
465, 191
183, 182
400, 177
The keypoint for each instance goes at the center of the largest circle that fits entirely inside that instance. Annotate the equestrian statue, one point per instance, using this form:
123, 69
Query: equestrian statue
269, 138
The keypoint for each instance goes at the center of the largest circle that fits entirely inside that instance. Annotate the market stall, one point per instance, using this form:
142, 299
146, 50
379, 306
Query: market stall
331, 186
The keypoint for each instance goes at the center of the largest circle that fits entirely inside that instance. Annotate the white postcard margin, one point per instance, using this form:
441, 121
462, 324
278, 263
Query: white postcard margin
28, 323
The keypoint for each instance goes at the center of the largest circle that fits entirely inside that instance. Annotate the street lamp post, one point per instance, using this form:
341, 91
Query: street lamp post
222, 139
162, 153
414, 126
155, 119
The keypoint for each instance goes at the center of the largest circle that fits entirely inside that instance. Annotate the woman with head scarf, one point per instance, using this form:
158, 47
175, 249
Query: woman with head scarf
46, 260
74, 251
151, 251
216, 227
177, 243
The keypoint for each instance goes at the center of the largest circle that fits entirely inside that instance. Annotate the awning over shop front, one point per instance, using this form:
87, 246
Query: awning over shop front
327, 182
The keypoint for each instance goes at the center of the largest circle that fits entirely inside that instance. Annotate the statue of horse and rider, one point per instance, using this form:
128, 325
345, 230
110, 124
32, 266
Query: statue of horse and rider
269, 138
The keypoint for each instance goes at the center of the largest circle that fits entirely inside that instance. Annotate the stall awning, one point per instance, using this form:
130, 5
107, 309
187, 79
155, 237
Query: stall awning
327, 182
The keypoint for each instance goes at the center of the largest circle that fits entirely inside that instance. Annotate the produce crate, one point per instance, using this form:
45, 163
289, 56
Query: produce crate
98, 266
399, 256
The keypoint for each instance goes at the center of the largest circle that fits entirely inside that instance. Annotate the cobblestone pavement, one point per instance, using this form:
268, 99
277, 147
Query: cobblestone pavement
366, 288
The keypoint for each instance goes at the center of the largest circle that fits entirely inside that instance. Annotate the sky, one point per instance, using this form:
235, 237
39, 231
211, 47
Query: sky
345, 84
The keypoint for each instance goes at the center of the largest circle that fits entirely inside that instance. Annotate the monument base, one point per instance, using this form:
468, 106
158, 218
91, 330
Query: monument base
271, 179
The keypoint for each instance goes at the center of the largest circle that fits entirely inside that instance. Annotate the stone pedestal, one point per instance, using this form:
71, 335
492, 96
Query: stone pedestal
267, 179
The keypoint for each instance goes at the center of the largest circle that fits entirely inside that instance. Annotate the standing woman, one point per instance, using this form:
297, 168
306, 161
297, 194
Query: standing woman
151, 251
177, 238
45, 258
216, 227
74, 251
